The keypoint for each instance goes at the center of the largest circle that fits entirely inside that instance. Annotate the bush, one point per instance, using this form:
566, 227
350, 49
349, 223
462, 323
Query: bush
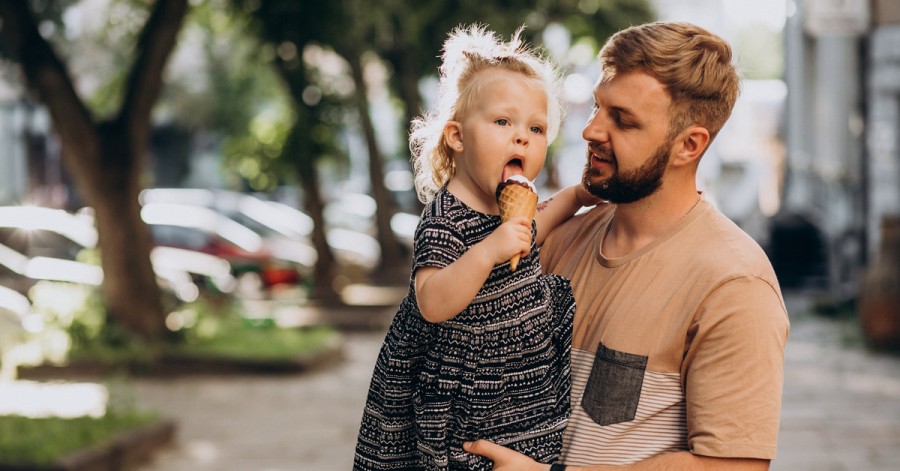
76, 328
42, 441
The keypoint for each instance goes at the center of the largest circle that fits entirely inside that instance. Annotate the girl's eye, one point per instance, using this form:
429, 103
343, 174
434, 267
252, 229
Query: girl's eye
502, 122
537, 129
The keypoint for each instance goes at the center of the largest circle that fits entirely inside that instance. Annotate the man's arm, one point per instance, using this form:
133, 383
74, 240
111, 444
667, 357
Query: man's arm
508, 460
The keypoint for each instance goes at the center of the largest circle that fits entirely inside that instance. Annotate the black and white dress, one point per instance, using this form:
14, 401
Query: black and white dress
499, 370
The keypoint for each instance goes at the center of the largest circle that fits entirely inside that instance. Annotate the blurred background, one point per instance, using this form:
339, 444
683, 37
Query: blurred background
158, 155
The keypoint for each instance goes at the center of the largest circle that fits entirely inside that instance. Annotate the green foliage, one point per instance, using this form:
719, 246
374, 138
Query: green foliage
42, 441
83, 38
226, 83
254, 154
219, 328
212, 326
244, 340
77, 328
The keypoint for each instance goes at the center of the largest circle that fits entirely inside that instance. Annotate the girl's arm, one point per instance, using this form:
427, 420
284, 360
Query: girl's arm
442, 293
559, 207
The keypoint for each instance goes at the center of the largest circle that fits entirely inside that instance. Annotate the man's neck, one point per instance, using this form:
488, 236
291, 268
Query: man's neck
636, 225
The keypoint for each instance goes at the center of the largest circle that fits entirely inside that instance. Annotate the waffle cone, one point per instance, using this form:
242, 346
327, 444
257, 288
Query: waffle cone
516, 199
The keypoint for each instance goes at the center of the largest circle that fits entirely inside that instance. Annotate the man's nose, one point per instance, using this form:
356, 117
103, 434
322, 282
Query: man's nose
595, 129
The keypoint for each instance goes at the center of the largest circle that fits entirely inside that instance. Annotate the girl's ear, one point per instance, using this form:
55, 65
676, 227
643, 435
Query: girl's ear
453, 135
691, 145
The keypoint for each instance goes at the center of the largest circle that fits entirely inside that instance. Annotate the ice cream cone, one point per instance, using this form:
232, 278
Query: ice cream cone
516, 198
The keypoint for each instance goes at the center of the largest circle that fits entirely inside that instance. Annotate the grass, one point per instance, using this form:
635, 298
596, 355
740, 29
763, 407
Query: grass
42, 441
231, 341
209, 327
213, 329
261, 343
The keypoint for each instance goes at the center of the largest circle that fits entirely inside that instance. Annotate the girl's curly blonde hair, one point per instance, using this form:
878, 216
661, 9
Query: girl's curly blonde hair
467, 52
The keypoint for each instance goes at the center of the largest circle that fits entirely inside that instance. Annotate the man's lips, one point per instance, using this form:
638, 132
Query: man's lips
600, 158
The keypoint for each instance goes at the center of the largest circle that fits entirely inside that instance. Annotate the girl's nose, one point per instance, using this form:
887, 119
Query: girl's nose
521, 138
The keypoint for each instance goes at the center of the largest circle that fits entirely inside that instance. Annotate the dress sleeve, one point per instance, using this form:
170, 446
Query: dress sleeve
438, 243
734, 370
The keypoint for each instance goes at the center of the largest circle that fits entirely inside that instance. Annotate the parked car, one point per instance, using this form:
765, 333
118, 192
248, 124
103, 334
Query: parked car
38, 243
15, 309
255, 261
280, 225
356, 212
39, 231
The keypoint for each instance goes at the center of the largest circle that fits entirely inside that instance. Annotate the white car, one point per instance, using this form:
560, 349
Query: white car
281, 225
38, 243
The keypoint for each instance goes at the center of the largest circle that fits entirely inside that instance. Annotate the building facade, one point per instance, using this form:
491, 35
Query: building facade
842, 175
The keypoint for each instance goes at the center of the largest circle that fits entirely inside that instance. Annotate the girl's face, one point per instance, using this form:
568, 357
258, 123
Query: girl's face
503, 133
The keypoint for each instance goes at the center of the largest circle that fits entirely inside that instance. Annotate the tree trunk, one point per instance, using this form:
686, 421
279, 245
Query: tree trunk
305, 153
105, 159
392, 264
129, 283
324, 272
408, 83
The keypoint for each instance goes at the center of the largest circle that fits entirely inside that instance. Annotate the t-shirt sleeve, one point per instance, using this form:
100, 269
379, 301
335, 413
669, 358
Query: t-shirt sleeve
438, 243
734, 371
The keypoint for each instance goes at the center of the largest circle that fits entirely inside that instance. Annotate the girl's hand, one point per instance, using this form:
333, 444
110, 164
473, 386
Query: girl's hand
513, 237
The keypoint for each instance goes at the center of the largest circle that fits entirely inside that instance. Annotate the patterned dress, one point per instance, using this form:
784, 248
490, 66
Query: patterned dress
499, 370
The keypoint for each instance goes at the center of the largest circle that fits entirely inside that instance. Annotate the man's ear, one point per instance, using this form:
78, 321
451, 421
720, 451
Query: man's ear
692, 142
453, 135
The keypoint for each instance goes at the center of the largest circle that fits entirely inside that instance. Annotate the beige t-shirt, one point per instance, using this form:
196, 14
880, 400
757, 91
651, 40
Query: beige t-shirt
677, 346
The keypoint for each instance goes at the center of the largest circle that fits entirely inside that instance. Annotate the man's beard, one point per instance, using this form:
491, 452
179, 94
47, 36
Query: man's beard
631, 186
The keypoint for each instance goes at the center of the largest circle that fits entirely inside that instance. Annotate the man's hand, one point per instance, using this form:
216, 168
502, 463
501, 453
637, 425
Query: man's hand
504, 459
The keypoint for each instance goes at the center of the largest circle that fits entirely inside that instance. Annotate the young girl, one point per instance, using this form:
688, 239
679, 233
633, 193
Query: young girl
477, 349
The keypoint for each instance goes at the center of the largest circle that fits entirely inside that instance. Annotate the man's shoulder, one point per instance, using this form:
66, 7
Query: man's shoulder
722, 246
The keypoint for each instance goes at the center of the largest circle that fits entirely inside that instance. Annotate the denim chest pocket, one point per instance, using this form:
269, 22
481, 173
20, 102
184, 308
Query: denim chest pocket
614, 386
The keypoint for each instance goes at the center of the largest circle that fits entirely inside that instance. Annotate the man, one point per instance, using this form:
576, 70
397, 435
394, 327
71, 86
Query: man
680, 326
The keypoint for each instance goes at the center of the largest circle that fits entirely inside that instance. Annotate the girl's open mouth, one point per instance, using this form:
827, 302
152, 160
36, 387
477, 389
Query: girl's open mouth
513, 167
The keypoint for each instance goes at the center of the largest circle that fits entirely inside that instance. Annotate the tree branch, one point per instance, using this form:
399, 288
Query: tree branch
155, 44
47, 76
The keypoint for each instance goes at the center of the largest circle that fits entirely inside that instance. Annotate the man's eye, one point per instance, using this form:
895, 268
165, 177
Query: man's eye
620, 123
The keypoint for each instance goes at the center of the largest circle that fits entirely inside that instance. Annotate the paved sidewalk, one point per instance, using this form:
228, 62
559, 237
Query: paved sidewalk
266, 423
841, 409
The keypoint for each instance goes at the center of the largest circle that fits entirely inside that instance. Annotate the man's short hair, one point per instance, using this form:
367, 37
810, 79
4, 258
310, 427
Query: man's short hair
693, 64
